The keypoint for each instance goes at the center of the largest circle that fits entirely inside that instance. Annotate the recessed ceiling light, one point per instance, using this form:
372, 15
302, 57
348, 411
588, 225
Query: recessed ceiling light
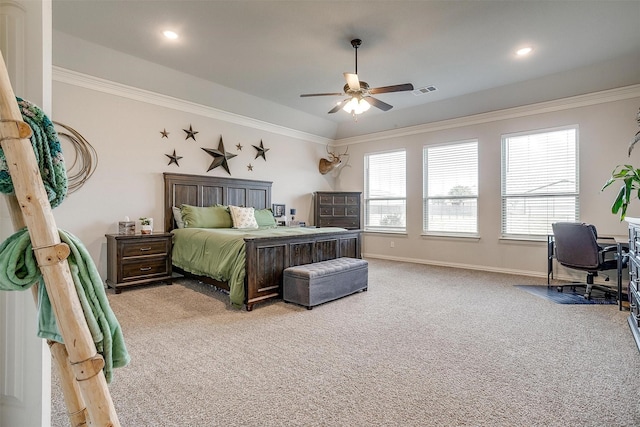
524, 51
170, 34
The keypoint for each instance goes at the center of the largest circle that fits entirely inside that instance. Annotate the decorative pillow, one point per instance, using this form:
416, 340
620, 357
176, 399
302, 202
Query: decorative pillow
264, 218
243, 217
177, 216
206, 217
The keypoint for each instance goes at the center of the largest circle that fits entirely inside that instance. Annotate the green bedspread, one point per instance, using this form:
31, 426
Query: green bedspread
220, 253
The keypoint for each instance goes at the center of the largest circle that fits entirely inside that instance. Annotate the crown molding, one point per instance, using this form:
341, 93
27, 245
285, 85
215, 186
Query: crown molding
595, 98
75, 78
86, 81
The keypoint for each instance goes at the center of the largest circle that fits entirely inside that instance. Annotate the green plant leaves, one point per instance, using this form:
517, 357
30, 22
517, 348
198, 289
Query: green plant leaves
630, 177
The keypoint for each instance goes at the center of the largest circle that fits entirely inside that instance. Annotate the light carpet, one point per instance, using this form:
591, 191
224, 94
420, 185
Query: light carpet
425, 346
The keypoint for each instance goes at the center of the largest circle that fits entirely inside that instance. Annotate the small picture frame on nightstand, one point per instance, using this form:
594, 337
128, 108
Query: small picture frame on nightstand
278, 210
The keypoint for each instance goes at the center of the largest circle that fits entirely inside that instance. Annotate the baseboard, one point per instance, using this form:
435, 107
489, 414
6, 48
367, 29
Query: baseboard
562, 276
458, 265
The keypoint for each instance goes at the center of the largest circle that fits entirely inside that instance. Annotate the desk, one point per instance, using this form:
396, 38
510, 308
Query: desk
622, 247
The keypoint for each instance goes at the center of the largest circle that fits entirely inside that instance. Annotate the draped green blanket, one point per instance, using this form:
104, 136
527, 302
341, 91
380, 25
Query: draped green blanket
19, 270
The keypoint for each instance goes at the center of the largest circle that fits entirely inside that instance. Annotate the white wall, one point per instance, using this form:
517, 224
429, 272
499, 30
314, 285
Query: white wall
124, 124
607, 123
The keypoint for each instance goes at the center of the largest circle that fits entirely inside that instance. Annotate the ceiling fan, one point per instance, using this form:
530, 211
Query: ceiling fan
359, 93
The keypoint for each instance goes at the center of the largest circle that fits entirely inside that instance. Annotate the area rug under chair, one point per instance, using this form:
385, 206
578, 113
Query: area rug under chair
568, 296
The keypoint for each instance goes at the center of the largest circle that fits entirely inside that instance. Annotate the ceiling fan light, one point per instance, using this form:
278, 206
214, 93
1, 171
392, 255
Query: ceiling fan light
356, 106
364, 105
170, 34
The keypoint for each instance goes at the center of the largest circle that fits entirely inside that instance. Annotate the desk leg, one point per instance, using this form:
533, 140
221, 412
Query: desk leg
619, 249
550, 259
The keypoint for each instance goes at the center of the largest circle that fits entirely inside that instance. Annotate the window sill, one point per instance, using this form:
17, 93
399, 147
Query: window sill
524, 239
475, 237
380, 232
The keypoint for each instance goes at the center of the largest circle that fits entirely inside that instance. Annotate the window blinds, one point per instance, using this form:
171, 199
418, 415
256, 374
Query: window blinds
385, 191
539, 181
450, 175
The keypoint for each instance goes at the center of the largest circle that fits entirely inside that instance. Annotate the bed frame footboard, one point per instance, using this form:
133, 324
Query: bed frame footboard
267, 258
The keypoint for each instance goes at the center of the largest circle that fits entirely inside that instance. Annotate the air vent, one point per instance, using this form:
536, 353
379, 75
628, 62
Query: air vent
423, 90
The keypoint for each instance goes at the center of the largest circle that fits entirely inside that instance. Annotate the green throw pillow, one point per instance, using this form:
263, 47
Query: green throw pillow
264, 218
206, 217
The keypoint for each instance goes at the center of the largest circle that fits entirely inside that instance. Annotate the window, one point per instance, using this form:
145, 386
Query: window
450, 202
385, 194
539, 181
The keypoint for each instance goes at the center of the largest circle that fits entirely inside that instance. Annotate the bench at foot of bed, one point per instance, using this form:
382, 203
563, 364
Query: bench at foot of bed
313, 284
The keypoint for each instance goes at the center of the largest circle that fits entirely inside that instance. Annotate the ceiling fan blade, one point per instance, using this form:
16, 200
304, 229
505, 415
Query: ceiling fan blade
352, 81
321, 94
339, 106
395, 88
377, 103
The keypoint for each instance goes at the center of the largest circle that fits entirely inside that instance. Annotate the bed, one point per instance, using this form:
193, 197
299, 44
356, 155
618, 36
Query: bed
260, 263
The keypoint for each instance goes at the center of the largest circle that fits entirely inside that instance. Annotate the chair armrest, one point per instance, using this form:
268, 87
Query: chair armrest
611, 253
607, 253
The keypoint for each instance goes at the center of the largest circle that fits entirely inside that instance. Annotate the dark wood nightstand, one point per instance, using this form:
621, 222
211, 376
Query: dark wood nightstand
138, 259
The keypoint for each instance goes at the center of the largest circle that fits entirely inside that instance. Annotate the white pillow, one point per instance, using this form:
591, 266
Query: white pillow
243, 217
177, 215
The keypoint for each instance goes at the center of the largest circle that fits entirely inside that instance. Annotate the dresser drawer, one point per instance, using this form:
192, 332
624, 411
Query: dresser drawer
143, 247
135, 269
634, 266
633, 239
344, 222
634, 303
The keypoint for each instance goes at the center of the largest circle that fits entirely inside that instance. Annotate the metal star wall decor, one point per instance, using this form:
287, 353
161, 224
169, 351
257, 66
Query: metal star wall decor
239, 147
164, 133
190, 133
220, 157
250, 167
173, 158
261, 151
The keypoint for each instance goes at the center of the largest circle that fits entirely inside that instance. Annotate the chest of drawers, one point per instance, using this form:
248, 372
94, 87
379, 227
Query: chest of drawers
138, 259
337, 209
634, 276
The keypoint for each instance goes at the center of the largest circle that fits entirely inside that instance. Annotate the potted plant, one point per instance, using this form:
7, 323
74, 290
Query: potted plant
146, 225
630, 177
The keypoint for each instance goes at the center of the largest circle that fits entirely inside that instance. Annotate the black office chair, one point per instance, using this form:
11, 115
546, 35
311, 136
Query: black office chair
577, 247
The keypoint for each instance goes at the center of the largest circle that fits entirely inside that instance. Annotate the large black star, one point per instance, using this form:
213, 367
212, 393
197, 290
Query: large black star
261, 151
173, 158
190, 133
220, 157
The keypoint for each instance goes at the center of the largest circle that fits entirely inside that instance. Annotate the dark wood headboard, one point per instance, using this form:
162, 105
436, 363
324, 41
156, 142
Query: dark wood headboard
199, 190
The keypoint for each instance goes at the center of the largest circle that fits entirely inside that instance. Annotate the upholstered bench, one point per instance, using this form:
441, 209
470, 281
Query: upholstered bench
320, 282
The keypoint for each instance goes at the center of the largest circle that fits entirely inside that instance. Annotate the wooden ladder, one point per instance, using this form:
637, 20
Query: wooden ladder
83, 382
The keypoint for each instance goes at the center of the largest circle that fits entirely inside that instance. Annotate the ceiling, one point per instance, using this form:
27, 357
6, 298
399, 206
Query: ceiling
277, 50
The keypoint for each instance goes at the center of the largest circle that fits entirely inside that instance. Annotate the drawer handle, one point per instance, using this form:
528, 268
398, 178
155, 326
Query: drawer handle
145, 268
145, 249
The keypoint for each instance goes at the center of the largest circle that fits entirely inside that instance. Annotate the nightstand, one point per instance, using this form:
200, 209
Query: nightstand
138, 259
